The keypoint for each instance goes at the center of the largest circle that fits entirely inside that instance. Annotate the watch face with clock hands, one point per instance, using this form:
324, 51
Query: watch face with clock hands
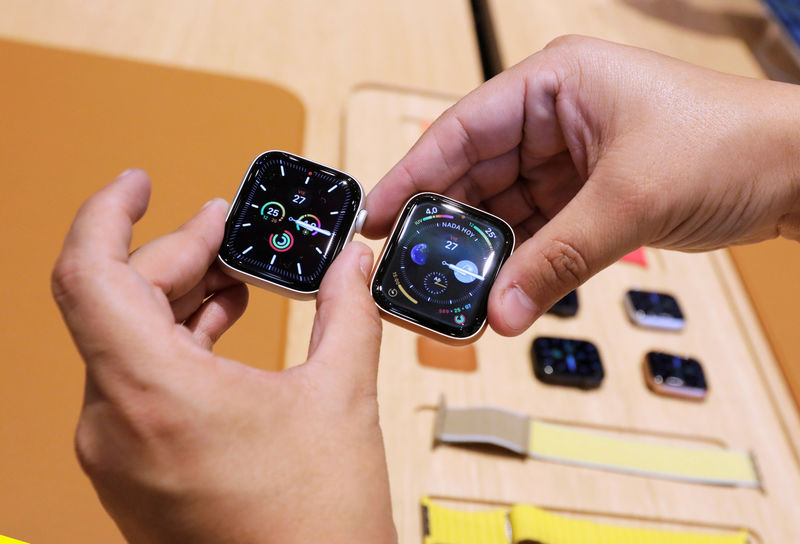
439, 264
289, 220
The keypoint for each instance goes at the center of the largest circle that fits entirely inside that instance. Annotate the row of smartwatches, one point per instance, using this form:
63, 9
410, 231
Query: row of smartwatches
577, 363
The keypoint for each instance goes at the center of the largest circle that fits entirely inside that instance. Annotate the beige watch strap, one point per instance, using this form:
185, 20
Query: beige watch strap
591, 448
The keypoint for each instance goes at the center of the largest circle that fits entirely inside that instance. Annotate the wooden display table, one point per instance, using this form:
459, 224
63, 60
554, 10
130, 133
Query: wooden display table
320, 53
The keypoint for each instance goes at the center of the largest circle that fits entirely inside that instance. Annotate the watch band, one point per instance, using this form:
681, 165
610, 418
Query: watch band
523, 524
442, 525
590, 448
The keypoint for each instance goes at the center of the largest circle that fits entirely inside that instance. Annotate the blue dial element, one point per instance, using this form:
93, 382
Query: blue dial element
419, 253
466, 271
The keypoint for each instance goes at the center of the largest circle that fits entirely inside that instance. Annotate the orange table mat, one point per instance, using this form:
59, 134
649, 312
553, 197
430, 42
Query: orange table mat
69, 123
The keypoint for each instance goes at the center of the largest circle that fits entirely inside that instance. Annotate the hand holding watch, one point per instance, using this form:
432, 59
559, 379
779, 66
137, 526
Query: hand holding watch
291, 217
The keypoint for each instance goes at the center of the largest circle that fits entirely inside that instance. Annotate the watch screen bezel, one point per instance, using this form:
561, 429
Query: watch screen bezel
393, 242
342, 236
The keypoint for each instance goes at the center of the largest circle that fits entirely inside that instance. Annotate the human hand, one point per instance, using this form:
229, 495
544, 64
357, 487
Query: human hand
591, 149
185, 446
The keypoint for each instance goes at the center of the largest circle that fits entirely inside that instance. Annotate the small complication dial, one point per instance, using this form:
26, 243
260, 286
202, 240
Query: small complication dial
272, 211
435, 283
309, 225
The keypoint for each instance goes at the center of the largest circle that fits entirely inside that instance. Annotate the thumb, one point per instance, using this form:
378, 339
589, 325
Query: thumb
347, 327
594, 230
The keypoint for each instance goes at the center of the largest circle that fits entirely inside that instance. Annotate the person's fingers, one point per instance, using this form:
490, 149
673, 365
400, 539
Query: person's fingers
516, 110
528, 227
95, 252
545, 189
515, 204
347, 328
217, 314
178, 261
103, 225
472, 187
484, 124
108, 308
214, 280
590, 233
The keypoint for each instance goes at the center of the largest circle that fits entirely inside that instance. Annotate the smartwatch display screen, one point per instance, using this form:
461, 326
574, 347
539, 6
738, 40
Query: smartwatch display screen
289, 220
439, 265
563, 361
672, 374
656, 310
660, 304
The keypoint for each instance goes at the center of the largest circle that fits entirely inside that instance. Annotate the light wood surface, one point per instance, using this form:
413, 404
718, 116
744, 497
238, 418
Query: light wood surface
748, 406
317, 50
718, 34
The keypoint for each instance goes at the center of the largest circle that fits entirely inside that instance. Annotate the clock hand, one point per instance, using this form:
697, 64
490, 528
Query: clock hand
462, 270
309, 226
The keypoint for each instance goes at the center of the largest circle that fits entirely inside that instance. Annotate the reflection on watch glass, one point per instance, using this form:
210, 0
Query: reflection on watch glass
440, 264
290, 219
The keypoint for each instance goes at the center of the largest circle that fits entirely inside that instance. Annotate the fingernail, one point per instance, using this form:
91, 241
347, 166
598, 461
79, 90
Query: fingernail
125, 173
519, 311
365, 263
214, 202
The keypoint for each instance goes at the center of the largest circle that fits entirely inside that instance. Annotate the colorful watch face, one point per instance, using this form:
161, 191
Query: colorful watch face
439, 264
562, 361
289, 220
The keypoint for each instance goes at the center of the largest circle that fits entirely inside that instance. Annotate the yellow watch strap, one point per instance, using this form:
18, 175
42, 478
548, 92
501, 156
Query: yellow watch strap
591, 448
531, 524
445, 526
9, 540
566, 444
